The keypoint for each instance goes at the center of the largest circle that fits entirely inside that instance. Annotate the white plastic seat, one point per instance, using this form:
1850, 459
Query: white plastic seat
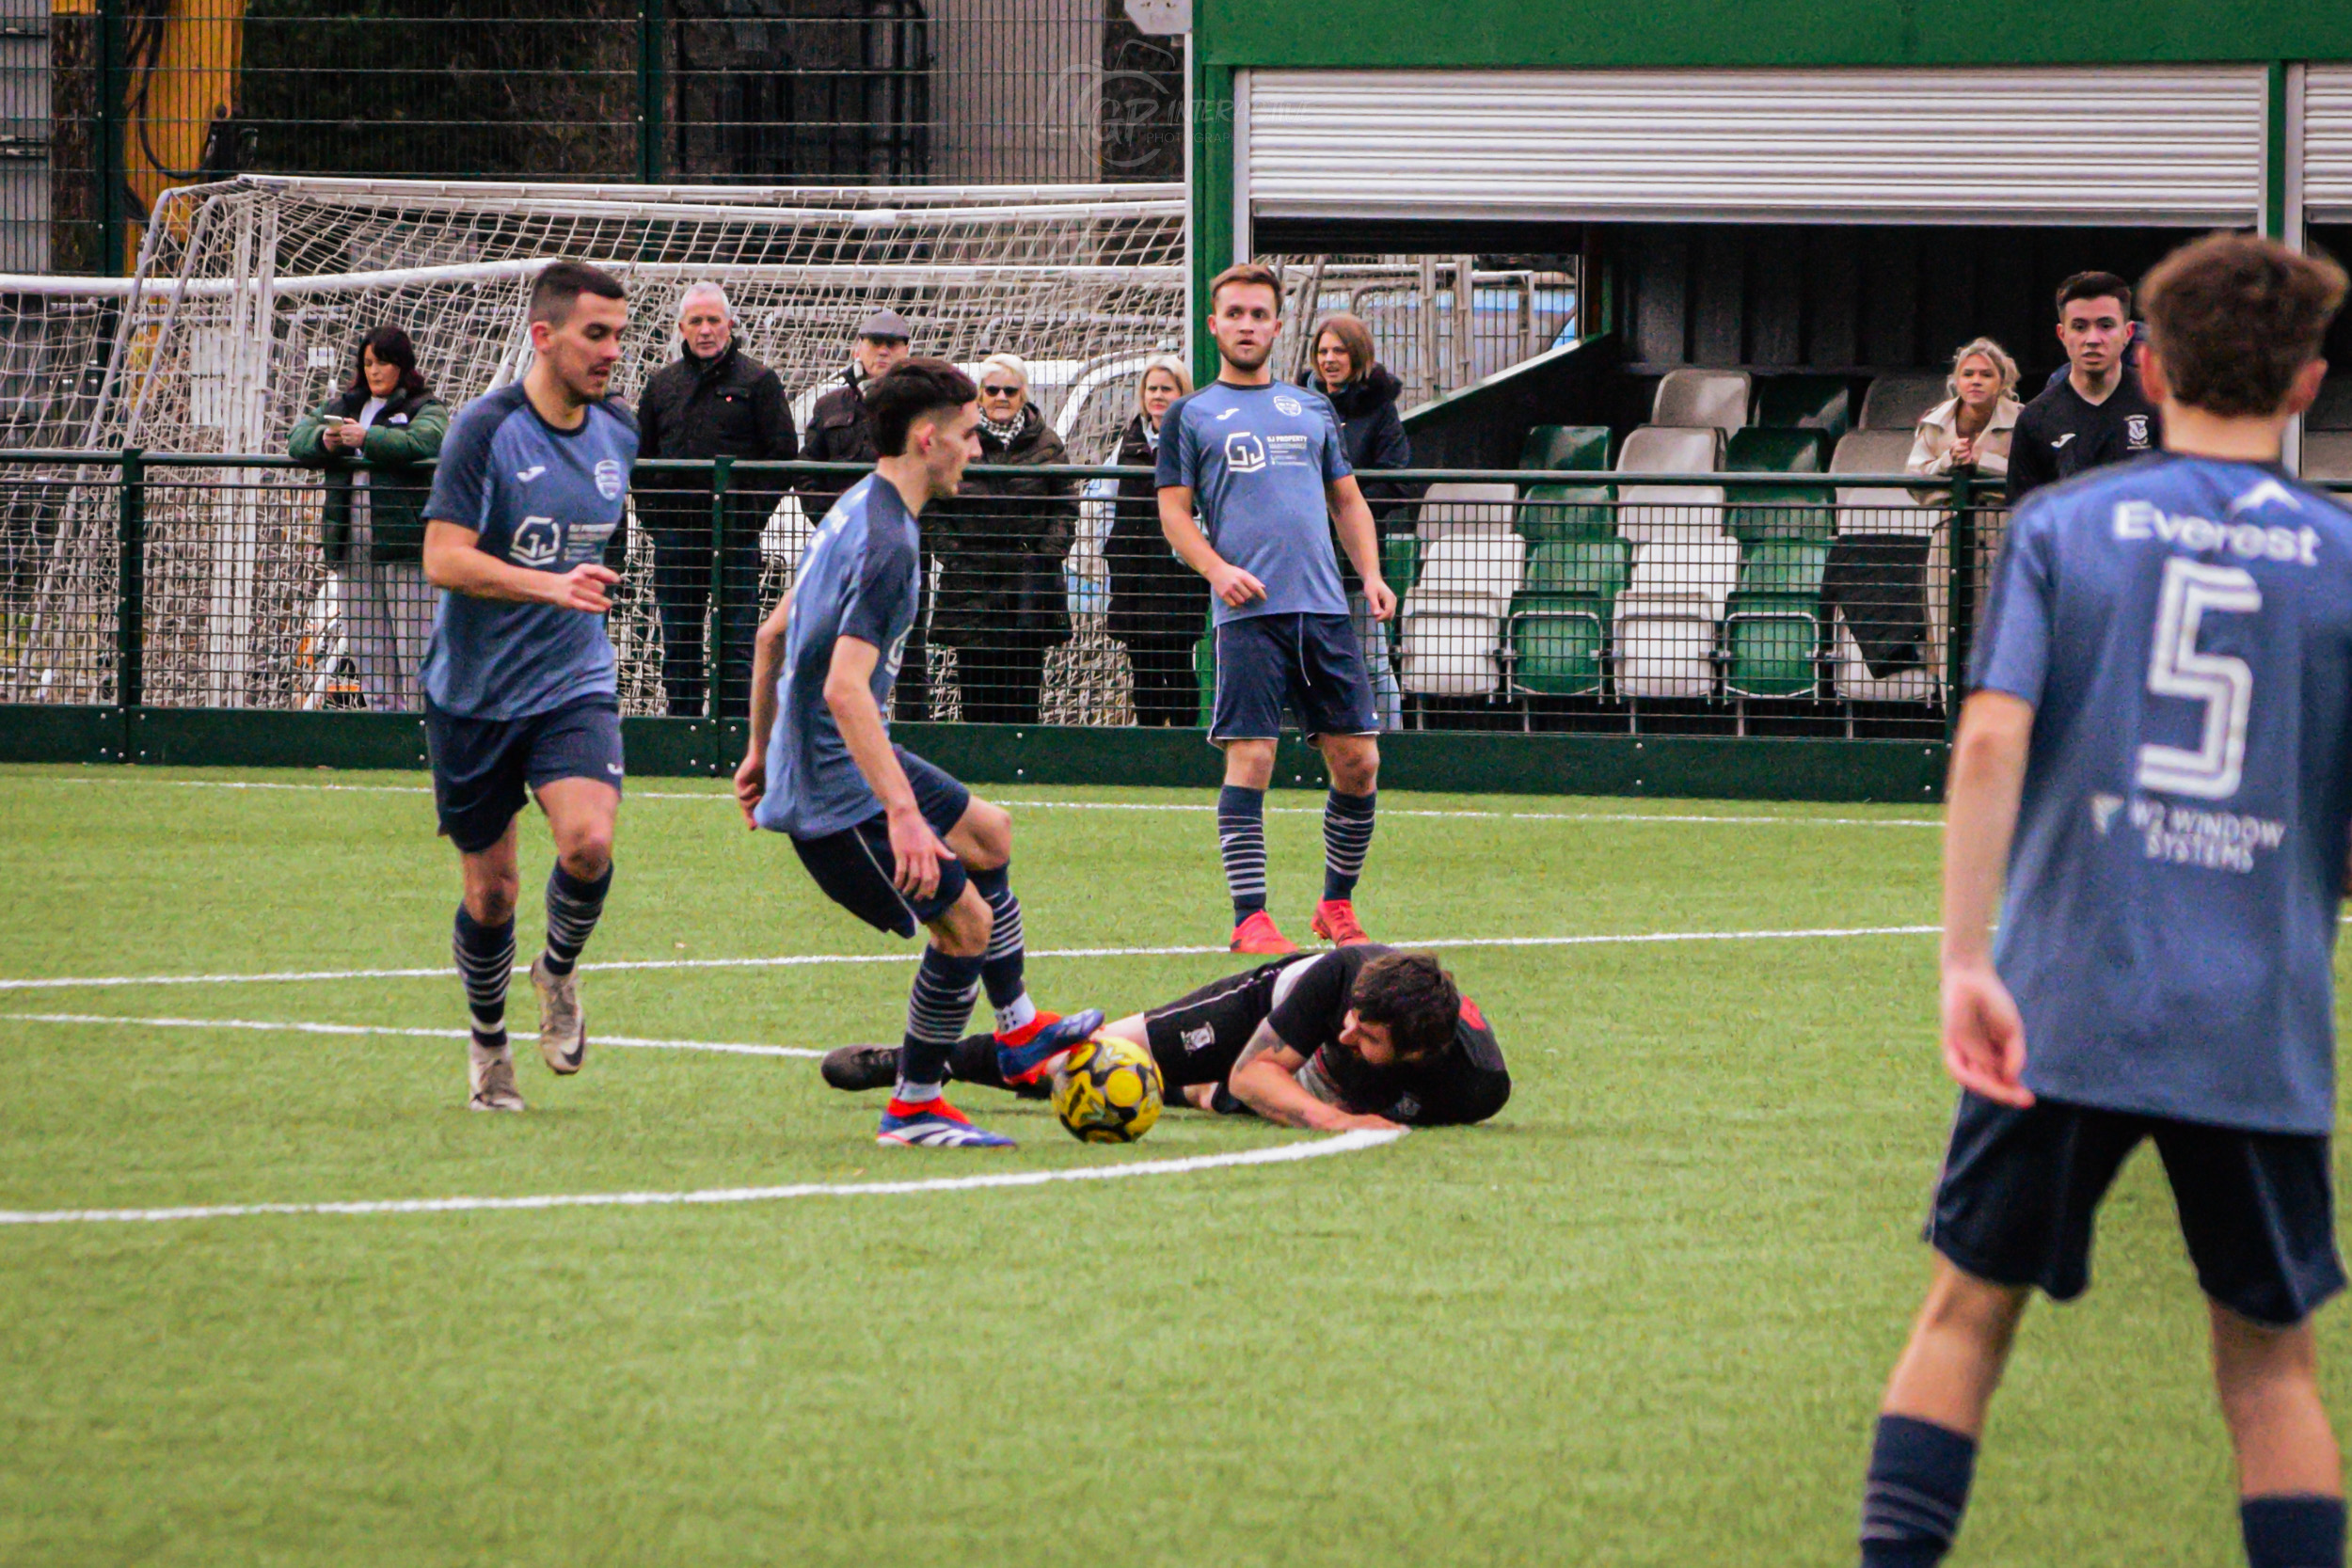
1695, 396
1657, 449
1665, 648
1876, 509
1449, 505
1477, 561
1901, 399
1670, 511
2333, 411
1452, 648
2328, 454
1856, 684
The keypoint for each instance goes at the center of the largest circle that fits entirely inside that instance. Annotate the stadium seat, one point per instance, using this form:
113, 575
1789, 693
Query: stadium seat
1555, 512
1781, 569
1823, 402
2333, 411
1873, 509
1670, 511
1555, 643
1772, 512
1856, 682
1666, 618
1450, 505
1551, 447
1776, 452
1692, 397
1474, 561
1901, 399
1454, 622
1578, 568
1400, 561
2328, 454
1771, 649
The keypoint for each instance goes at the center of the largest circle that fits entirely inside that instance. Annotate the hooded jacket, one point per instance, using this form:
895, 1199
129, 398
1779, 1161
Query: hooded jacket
1001, 540
1373, 436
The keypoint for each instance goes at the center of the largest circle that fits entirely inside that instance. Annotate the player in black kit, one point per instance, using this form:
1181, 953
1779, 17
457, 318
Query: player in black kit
2097, 414
1361, 1035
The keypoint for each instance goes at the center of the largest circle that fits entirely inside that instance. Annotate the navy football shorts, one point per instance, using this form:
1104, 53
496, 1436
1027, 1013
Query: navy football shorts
857, 870
2015, 1203
1313, 662
485, 770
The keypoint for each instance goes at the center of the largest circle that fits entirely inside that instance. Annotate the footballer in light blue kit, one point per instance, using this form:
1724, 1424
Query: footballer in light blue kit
518, 679
1251, 478
889, 837
2157, 758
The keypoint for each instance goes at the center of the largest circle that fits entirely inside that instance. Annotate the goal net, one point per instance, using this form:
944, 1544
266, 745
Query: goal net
250, 296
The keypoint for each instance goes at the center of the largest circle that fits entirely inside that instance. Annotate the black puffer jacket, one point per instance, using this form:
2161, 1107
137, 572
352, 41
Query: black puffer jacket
838, 432
1153, 593
1002, 539
730, 406
1373, 438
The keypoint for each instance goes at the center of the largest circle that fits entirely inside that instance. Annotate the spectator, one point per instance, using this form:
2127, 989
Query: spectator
840, 432
1156, 598
373, 440
1001, 541
2098, 414
1363, 393
714, 401
1971, 429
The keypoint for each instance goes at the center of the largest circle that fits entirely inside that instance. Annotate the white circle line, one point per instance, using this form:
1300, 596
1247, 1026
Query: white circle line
800, 960
1344, 1143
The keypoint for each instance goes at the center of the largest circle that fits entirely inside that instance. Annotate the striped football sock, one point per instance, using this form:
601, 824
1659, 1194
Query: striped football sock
1240, 839
573, 907
485, 961
1346, 840
937, 1010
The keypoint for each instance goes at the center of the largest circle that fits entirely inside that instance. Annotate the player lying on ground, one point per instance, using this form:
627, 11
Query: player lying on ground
889, 837
1360, 1036
2155, 750
519, 688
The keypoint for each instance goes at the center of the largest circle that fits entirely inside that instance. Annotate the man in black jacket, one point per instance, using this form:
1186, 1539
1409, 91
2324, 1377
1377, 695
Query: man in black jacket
715, 401
840, 432
2097, 415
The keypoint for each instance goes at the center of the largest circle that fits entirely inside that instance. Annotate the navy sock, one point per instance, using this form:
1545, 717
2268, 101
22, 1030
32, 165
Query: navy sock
2292, 1531
1918, 1489
973, 1060
485, 961
573, 907
1000, 972
937, 1010
1346, 840
1240, 839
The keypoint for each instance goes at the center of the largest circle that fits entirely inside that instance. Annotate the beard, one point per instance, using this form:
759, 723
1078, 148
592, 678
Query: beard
1246, 356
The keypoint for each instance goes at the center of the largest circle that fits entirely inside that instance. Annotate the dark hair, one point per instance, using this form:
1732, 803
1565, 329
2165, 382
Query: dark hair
559, 286
392, 347
2235, 319
1354, 336
2094, 285
1411, 996
918, 387
1247, 272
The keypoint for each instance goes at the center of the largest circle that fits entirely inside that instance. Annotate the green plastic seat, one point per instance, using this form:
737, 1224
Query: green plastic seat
1556, 643
1560, 512
1578, 568
1823, 402
1772, 511
1783, 569
1757, 450
1772, 646
1550, 447
1400, 561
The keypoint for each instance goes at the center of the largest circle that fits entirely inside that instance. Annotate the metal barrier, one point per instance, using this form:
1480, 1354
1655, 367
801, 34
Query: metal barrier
1714, 604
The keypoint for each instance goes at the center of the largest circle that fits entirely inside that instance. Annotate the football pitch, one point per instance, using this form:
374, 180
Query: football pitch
1643, 1316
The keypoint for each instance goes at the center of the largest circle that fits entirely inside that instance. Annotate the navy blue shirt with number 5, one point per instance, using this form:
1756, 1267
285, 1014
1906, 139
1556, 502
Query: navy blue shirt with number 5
2182, 628
542, 499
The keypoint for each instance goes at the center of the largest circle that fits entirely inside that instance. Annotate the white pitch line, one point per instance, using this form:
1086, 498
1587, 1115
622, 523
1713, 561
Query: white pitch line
802, 960
1345, 1143
724, 1047
1180, 806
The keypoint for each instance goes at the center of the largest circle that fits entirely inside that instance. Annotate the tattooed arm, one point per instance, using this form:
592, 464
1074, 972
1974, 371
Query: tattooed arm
1265, 1078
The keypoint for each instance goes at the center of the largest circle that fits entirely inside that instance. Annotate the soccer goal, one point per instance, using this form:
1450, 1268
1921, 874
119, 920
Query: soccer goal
250, 296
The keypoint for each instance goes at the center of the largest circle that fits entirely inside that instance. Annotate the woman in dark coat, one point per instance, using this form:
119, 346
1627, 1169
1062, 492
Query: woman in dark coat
372, 440
1363, 393
1158, 607
1001, 540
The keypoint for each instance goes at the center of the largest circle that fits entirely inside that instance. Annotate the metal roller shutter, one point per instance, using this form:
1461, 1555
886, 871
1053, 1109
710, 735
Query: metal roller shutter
2327, 144
2156, 144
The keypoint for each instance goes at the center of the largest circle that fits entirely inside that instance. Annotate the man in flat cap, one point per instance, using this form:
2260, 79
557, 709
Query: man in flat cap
840, 432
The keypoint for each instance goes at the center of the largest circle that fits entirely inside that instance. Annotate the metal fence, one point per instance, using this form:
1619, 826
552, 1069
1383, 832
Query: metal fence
1704, 604
111, 101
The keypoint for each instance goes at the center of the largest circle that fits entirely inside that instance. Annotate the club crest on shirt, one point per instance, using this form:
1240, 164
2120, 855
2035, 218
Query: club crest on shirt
1244, 452
538, 542
609, 480
2136, 431
1288, 405
1200, 1038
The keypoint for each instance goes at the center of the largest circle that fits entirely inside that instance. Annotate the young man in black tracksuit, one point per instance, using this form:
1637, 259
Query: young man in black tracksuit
2097, 414
714, 401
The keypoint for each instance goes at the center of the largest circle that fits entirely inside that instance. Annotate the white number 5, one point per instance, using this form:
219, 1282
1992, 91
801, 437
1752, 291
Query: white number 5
2223, 684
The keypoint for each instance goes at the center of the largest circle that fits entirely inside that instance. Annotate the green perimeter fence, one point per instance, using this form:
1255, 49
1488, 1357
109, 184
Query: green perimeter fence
1776, 636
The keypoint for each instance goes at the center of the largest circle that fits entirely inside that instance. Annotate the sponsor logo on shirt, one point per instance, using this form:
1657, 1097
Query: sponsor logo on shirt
1244, 452
538, 542
2140, 519
609, 480
527, 475
1289, 405
2267, 493
2136, 431
1287, 451
1200, 1038
2059, 441
2201, 837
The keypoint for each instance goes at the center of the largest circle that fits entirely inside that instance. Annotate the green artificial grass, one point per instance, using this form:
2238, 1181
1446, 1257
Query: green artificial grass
1642, 1318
